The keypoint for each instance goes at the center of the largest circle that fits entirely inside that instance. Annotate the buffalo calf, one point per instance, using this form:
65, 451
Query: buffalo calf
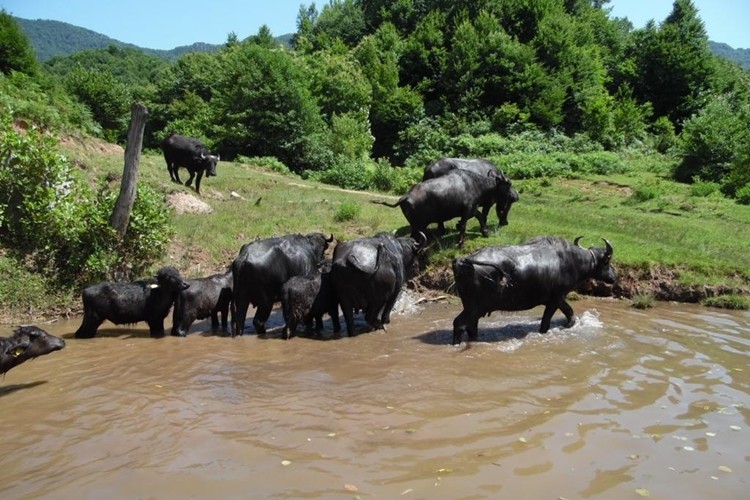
309, 297
127, 303
203, 298
26, 343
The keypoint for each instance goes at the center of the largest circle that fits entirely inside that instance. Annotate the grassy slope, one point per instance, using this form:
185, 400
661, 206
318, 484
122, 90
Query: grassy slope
671, 241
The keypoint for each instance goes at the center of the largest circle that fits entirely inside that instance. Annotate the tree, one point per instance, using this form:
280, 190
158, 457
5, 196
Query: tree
105, 96
674, 63
394, 107
264, 107
16, 53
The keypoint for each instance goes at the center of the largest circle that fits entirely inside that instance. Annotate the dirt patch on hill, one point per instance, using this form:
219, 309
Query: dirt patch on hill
185, 203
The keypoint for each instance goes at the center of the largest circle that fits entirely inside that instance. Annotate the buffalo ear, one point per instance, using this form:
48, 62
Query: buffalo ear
18, 350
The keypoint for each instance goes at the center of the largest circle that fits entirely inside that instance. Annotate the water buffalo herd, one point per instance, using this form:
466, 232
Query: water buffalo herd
364, 275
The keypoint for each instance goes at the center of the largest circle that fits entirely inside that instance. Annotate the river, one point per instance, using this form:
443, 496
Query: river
625, 404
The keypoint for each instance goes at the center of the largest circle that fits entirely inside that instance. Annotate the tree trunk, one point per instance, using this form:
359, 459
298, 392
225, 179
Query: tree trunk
121, 213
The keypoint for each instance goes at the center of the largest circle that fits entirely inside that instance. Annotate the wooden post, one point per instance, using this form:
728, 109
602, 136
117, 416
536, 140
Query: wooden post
121, 213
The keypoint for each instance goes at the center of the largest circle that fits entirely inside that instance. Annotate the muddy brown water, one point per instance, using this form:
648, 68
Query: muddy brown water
624, 404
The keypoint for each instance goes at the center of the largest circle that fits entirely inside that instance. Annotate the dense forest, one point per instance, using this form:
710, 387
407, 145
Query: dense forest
367, 90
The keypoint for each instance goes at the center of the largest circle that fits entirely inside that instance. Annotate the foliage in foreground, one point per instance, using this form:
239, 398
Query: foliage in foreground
52, 221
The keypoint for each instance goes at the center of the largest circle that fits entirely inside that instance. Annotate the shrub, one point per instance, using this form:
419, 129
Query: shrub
270, 162
51, 220
647, 191
347, 211
743, 195
346, 174
642, 301
728, 301
702, 189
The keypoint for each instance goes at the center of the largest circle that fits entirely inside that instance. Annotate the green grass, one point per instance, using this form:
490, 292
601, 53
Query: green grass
703, 239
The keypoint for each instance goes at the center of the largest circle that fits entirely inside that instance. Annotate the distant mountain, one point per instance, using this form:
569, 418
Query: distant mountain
740, 56
55, 38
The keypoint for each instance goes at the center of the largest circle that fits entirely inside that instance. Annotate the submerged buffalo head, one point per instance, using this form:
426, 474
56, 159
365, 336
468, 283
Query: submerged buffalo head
26, 343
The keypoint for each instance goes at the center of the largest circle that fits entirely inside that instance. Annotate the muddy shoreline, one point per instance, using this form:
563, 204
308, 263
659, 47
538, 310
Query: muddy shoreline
659, 282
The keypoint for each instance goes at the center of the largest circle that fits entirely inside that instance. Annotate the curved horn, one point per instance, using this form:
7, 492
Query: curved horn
422, 240
610, 250
203, 155
330, 240
575, 242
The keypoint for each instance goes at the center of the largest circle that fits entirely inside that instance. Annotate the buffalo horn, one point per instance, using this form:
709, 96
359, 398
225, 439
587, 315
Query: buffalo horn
575, 242
422, 239
609, 247
203, 155
330, 240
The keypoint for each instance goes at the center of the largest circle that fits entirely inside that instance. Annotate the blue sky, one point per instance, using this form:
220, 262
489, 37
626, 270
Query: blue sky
165, 24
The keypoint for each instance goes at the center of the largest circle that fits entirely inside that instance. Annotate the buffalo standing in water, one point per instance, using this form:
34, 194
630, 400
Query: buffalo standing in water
368, 273
514, 278
263, 266
123, 303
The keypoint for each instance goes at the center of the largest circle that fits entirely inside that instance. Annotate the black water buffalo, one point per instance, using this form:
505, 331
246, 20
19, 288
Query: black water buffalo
308, 298
204, 297
457, 194
123, 303
488, 171
368, 273
539, 272
263, 266
27, 342
180, 151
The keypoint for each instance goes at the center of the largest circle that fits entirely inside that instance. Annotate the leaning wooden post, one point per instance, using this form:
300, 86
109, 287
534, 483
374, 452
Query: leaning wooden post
121, 213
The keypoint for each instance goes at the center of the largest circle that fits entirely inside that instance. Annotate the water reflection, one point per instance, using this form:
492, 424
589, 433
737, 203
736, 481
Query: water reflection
625, 400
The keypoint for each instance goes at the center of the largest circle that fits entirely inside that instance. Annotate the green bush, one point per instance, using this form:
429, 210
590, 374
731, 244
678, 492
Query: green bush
347, 174
728, 301
743, 195
347, 211
703, 189
51, 220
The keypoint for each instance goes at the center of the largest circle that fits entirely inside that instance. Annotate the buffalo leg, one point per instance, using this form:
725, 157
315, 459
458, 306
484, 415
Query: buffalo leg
549, 310
198, 182
89, 326
156, 327
334, 314
190, 179
461, 226
385, 317
348, 311
371, 316
568, 312
239, 313
482, 218
459, 327
262, 313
